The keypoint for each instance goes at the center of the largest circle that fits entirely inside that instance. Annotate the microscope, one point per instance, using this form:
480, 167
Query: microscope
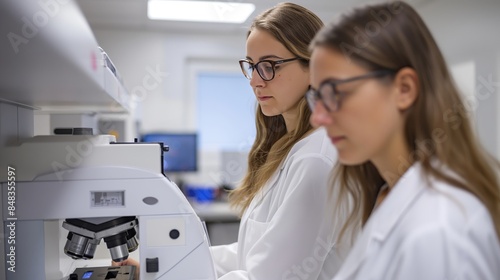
103, 190
63, 195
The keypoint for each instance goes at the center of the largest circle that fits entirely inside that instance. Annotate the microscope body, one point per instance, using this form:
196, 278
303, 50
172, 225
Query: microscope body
104, 191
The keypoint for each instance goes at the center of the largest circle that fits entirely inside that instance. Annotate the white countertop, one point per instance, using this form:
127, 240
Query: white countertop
216, 212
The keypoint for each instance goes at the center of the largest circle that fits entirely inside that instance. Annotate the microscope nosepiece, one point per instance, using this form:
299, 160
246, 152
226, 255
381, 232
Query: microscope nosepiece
117, 245
85, 234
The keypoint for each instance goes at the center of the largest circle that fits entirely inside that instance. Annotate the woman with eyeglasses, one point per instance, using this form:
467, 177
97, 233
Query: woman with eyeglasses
425, 193
287, 222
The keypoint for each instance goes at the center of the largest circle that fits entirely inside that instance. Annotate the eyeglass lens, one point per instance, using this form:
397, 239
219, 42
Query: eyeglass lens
264, 68
326, 94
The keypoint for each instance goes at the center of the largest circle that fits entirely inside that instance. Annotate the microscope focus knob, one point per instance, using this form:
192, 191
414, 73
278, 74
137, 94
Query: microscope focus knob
152, 265
174, 234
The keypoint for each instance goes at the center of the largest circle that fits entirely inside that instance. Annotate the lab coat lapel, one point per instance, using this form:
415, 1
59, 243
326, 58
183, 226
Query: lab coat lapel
273, 181
259, 197
356, 256
384, 219
270, 184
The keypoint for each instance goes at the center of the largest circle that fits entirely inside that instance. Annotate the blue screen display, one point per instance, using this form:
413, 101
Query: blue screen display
87, 275
183, 149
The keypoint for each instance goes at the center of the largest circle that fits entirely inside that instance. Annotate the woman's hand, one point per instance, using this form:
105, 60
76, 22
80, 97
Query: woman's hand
130, 262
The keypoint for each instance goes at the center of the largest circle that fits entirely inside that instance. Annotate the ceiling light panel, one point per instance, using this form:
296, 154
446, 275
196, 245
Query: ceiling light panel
201, 11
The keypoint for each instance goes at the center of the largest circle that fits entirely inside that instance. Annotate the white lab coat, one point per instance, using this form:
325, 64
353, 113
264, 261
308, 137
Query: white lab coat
286, 232
423, 231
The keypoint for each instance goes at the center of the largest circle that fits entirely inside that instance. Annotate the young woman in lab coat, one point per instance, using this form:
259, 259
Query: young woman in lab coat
425, 192
286, 225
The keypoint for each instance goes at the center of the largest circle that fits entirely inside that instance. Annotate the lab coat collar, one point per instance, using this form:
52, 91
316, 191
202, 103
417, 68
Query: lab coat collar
385, 217
398, 201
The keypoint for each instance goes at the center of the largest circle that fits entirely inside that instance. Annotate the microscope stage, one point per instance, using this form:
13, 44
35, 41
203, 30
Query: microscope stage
103, 273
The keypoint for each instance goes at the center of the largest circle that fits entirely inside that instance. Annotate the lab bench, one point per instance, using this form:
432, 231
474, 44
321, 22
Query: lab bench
221, 221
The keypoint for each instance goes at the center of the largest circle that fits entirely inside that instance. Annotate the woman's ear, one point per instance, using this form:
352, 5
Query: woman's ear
406, 85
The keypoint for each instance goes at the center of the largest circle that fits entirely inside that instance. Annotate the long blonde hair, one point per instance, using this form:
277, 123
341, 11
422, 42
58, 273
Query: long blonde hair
293, 26
392, 36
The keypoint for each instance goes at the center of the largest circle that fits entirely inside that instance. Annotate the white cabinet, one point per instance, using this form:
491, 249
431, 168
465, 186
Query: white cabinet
50, 59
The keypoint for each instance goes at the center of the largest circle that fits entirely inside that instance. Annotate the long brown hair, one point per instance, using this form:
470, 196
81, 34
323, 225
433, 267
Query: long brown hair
293, 26
392, 36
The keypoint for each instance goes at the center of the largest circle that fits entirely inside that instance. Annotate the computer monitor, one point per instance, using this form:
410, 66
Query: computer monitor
183, 149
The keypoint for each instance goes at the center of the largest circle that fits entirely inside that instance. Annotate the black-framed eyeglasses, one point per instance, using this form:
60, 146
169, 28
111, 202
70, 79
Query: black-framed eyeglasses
330, 97
265, 68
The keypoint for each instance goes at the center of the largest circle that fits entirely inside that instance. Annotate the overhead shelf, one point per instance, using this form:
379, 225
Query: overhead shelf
50, 59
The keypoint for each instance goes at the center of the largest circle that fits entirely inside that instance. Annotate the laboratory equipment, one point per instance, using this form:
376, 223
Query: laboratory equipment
103, 273
182, 156
62, 195
103, 190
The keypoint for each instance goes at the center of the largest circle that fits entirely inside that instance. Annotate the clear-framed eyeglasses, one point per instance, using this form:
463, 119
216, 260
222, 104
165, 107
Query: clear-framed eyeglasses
265, 68
330, 97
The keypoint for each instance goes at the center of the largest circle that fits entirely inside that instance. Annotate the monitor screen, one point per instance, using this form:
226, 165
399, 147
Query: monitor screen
182, 154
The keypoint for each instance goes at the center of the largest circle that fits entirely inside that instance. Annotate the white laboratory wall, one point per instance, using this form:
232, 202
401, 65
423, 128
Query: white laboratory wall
480, 88
467, 32
154, 67
464, 75
42, 123
160, 69
486, 93
158, 66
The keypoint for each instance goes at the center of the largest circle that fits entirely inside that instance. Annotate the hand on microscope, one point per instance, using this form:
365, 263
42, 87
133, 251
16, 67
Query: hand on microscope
130, 262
